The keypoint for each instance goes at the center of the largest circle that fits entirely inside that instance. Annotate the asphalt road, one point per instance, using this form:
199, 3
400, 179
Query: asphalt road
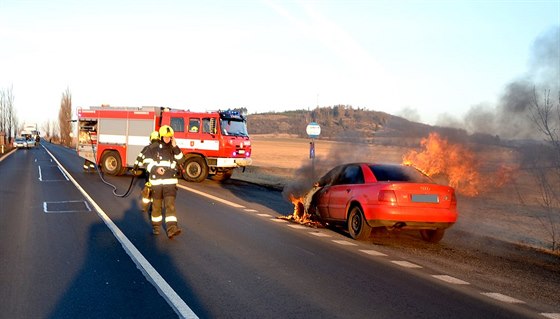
69, 248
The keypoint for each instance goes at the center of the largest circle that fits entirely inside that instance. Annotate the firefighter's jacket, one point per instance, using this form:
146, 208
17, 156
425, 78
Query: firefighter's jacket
162, 162
142, 155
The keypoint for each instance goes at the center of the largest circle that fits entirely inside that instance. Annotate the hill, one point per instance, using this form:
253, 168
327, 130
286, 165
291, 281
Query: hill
345, 123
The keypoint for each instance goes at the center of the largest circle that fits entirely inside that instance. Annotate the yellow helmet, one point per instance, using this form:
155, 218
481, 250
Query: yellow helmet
166, 131
154, 136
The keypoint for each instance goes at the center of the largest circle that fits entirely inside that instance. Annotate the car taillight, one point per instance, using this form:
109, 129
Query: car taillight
453, 200
388, 196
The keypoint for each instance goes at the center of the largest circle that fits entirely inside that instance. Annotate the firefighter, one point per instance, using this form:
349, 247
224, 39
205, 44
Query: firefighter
162, 163
147, 190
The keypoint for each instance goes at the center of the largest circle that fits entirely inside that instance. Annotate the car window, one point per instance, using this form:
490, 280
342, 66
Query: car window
352, 174
398, 173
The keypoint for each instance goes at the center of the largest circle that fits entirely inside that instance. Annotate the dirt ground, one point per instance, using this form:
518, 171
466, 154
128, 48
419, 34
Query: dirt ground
496, 212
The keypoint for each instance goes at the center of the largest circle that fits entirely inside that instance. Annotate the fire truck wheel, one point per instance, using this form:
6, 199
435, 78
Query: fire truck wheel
195, 169
111, 163
222, 176
357, 224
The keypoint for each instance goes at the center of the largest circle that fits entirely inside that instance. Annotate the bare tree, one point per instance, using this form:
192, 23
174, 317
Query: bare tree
65, 117
545, 114
8, 119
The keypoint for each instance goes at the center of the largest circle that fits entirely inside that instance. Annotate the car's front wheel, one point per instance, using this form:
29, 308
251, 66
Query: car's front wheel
432, 235
357, 224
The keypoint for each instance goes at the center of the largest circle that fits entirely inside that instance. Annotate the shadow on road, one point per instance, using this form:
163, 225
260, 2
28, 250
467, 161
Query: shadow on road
109, 285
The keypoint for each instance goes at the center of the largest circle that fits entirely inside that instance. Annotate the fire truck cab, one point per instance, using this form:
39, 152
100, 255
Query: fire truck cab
214, 143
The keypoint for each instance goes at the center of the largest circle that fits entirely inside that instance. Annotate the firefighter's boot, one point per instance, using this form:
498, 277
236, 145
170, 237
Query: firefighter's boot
156, 216
173, 230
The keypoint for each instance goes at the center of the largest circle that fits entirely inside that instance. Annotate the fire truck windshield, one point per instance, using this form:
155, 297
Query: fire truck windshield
233, 127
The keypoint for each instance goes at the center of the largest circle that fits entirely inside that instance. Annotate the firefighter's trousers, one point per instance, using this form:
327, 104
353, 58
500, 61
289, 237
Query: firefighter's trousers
164, 196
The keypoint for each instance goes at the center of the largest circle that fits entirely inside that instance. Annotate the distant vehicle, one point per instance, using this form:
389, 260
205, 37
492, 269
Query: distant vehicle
20, 142
362, 196
31, 142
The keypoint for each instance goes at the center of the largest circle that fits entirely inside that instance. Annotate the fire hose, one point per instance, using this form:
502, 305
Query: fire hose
101, 175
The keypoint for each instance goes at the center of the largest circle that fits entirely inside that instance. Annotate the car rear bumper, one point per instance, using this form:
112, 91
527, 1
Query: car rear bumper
411, 218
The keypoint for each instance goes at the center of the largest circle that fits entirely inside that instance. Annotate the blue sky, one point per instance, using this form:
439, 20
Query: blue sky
423, 59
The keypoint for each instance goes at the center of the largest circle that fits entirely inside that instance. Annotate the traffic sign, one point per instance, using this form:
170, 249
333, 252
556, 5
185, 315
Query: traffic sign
313, 130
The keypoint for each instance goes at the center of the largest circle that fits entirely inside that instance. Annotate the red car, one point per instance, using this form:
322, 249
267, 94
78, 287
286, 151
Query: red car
366, 195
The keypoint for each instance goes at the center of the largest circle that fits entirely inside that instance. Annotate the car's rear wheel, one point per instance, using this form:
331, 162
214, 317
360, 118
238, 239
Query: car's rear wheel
357, 224
195, 169
432, 235
111, 163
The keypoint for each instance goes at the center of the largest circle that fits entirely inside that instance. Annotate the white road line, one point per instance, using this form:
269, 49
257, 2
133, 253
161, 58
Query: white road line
40, 175
372, 252
318, 234
8, 154
63, 174
406, 264
345, 243
264, 215
451, 280
297, 226
250, 210
165, 290
278, 220
551, 315
501, 297
223, 201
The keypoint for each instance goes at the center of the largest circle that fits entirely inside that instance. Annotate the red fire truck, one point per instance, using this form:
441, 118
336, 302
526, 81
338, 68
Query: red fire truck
214, 143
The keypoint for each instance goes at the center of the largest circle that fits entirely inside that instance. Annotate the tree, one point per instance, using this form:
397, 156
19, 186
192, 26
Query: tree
65, 118
545, 114
8, 119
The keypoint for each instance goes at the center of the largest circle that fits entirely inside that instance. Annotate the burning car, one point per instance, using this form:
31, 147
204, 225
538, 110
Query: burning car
362, 196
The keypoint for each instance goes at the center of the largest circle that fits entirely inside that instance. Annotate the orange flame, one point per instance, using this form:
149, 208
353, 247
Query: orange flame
454, 161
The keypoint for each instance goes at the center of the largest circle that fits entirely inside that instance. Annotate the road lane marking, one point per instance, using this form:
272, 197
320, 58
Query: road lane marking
501, 297
345, 243
264, 215
372, 252
318, 234
278, 220
406, 264
249, 210
551, 315
451, 280
297, 226
69, 206
164, 289
223, 201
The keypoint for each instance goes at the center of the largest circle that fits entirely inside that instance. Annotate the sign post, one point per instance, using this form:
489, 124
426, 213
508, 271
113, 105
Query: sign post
313, 131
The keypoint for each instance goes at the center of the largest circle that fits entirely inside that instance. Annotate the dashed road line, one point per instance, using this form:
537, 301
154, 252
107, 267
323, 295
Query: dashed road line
373, 252
223, 201
264, 215
249, 210
345, 243
277, 220
551, 315
297, 226
406, 264
501, 297
318, 234
451, 280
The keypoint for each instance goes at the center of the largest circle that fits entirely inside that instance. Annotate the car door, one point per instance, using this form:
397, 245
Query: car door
342, 191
